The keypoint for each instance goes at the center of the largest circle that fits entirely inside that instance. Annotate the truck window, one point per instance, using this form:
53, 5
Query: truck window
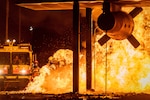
20, 58
4, 58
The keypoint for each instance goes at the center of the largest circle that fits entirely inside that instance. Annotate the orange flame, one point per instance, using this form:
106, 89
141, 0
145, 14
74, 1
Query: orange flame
116, 65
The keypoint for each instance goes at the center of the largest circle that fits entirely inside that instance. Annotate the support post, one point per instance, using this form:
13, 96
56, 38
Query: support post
88, 50
76, 46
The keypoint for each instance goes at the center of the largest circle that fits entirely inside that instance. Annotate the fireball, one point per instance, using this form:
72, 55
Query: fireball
116, 67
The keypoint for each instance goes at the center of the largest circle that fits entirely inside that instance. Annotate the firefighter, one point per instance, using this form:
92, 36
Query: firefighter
52, 63
17, 60
36, 69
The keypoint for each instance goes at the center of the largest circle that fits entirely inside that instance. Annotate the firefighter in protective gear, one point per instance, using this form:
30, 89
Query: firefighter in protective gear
36, 69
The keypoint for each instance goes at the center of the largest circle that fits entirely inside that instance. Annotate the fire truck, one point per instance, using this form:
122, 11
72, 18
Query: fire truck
15, 66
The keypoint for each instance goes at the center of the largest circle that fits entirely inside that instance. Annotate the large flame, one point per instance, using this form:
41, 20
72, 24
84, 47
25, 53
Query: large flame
116, 66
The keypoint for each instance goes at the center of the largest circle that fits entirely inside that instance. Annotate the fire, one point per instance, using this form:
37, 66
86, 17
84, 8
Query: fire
116, 66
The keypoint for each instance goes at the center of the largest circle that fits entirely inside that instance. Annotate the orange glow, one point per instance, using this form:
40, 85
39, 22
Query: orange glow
127, 68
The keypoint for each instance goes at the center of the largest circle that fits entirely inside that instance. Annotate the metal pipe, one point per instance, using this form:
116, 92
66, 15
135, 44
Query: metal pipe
7, 17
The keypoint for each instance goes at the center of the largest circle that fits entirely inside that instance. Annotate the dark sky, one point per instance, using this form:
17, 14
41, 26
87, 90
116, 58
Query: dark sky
47, 20
50, 22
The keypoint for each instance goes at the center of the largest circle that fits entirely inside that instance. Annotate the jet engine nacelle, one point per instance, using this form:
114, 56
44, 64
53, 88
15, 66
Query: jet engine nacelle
117, 24
120, 24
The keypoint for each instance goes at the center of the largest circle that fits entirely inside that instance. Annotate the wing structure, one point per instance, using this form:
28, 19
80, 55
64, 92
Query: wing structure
131, 38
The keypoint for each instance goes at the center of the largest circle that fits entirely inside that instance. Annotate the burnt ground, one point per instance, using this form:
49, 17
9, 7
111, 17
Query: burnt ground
72, 96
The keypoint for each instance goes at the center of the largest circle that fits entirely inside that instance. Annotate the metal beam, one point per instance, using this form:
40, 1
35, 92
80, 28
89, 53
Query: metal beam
67, 4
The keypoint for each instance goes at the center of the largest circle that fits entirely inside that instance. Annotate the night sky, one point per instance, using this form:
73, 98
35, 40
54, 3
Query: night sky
51, 29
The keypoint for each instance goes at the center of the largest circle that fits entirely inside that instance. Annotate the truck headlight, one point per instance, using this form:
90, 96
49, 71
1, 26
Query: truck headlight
1, 71
23, 71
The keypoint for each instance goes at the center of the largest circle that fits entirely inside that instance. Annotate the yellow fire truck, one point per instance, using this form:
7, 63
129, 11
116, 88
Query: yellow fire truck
15, 66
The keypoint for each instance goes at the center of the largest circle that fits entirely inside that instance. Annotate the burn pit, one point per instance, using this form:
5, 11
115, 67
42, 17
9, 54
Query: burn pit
131, 70
128, 71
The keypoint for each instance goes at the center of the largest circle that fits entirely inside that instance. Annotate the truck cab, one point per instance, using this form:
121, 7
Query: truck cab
15, 66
